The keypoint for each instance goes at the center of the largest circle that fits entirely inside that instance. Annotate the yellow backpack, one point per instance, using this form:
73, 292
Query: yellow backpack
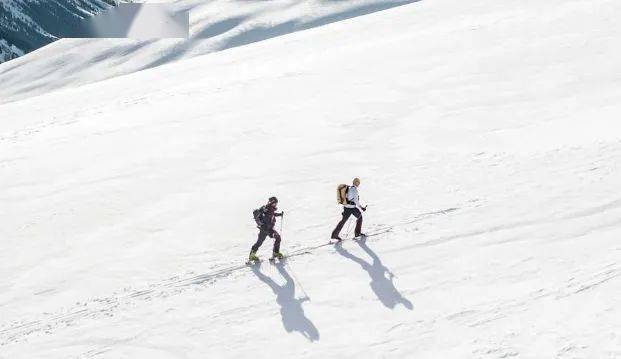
341, 193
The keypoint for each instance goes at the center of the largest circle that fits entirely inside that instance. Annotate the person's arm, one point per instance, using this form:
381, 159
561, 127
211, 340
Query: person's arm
356, 199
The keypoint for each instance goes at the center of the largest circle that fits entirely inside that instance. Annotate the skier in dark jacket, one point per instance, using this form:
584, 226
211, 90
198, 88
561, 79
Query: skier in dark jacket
266, 219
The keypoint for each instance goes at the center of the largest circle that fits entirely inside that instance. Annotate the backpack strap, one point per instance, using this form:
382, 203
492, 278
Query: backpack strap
347, 201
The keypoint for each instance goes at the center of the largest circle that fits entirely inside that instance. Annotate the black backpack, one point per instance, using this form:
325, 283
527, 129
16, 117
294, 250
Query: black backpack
258, 216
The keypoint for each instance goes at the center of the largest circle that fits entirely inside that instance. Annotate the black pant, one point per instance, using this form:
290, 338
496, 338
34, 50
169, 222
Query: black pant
264, 233
346, 213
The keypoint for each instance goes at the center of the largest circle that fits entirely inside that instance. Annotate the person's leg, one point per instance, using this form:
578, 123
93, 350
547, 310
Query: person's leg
260, 239
276, 237
339, 226
358, 215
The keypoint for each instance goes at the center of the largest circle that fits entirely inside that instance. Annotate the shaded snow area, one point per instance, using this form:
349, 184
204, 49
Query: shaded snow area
486, 134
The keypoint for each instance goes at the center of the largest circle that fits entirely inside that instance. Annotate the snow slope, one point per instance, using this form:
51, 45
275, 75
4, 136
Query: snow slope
215, 25
487, 138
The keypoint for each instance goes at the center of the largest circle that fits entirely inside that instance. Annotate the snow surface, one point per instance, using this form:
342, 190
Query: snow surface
487, 137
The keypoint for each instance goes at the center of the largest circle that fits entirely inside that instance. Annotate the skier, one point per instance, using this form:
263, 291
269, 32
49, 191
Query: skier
351, 207
266, 219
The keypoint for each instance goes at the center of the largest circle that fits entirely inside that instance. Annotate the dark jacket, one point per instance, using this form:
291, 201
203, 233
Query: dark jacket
267, 217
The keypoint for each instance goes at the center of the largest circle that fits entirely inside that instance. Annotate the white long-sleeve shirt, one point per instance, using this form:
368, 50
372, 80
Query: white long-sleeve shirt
352, 196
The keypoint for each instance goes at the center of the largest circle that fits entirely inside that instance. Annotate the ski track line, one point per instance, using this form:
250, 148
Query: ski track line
613, 205
99, 307
575, 285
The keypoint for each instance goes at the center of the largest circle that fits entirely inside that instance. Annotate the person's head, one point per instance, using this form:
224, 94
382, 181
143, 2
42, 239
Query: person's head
272, 202
356, 182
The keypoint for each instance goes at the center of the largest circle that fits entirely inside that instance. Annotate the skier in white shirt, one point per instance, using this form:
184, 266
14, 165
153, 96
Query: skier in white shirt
352, 207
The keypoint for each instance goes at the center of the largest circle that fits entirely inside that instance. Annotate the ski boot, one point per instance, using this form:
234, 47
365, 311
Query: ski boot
337, 238
277, 255
253, 257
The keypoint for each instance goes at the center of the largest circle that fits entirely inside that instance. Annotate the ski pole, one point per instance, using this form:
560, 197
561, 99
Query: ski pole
348, 228
282, 220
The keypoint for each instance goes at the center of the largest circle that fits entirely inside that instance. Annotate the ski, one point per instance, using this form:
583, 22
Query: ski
253, 262
372, 234
276, 260
289, 255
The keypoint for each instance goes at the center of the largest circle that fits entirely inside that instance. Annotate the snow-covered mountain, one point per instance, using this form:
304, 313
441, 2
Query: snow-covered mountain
9, 51
486, 134
26, 25
216, 25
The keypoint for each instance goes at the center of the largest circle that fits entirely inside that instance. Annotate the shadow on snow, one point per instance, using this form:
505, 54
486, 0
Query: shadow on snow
381, 277
293, 317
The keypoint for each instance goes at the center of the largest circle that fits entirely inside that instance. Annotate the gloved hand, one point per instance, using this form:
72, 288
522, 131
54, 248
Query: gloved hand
364, 209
